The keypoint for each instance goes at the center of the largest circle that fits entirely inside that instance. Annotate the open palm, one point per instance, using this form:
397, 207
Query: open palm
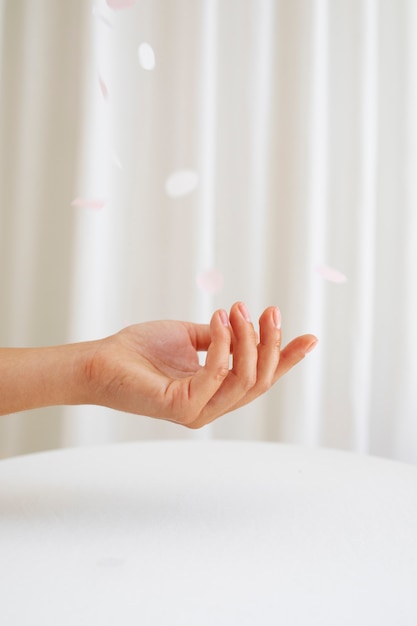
153, 368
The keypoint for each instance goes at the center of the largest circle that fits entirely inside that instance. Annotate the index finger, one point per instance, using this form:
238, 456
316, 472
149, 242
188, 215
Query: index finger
207, 380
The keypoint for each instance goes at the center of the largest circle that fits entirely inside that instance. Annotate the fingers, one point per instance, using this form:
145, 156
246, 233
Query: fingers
269, 348
294, 352
200, 335
204, 384
266, 359
256, 366
230, 385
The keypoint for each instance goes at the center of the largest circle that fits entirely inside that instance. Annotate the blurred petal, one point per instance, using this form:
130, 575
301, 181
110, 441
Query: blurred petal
211, 281
103, 88
89, 203
181, 183
331, 274
146, 56
97, 13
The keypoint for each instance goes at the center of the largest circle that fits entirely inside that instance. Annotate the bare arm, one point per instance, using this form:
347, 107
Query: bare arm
153, 368
38, 377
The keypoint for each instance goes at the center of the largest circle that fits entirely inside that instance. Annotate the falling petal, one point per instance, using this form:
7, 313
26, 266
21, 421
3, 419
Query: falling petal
181, 183
146, 56
329, 273
103, 88
210, 281
96, 13
89, 203
120, 4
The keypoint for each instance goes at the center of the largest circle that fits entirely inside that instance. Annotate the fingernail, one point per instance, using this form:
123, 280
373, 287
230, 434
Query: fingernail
224, 318
277, 317
244, 311
312, 346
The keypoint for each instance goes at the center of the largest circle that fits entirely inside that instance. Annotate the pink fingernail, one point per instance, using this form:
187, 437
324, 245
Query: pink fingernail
244, 311
277, 317
224, 318
312, 346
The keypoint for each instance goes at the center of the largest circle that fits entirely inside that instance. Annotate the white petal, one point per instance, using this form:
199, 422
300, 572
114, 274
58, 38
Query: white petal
146, 56
181, 183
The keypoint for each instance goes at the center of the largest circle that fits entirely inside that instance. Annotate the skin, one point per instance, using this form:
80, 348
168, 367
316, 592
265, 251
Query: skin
153, 368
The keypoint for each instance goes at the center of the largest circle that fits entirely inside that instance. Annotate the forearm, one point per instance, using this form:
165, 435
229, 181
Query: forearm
38, 377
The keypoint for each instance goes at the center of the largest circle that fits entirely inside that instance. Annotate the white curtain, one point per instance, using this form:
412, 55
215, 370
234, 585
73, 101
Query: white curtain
296, 123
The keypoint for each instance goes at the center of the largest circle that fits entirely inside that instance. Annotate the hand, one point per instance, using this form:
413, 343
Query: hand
153, 368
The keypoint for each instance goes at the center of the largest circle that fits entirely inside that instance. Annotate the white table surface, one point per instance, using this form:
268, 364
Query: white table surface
207, 533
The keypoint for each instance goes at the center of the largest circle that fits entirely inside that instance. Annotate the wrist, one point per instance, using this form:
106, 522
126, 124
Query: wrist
38, 377
72, 383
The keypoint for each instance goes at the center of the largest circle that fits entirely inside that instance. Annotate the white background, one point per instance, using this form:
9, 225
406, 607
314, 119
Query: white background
298, 119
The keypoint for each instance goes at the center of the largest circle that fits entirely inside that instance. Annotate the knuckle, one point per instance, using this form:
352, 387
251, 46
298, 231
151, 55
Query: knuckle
192, 417
278, 344
263, 386
193, 425
187, 420
188, 417
193, 420
247, 381
221, 373
271, 344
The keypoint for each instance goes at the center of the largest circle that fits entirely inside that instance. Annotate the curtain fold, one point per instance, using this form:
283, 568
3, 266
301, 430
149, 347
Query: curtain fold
264, 153
43, 46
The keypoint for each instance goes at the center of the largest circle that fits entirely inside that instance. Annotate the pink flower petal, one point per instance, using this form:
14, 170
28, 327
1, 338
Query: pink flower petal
120, 4
210, 281
331, 274
103, 88
89, 203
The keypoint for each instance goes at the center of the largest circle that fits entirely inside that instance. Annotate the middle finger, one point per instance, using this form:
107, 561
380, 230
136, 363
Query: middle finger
242, 377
